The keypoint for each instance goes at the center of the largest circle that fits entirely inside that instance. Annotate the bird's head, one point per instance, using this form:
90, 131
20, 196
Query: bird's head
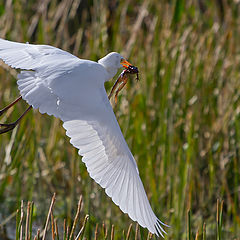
112, 62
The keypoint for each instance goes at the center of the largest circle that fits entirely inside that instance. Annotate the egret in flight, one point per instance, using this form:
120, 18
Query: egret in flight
72, 89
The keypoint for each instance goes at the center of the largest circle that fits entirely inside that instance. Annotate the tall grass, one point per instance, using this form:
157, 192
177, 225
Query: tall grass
181, 121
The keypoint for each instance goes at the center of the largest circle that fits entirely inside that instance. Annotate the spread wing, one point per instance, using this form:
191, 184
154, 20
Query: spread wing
60, 84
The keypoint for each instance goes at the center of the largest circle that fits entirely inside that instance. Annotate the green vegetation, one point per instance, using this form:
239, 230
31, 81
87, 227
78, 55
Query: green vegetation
181, 121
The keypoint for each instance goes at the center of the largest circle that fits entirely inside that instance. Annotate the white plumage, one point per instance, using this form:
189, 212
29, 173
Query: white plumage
72, 89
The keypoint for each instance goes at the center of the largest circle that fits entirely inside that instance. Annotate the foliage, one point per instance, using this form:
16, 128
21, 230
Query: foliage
181, 121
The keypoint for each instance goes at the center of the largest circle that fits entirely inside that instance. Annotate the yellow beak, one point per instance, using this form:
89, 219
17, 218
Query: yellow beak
125, 63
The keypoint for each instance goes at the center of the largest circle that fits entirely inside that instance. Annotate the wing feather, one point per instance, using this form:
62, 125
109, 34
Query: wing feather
72, 89
118, 181
112, 180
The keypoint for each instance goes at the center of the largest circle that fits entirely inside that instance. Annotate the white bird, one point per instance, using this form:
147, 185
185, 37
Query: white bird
72, 89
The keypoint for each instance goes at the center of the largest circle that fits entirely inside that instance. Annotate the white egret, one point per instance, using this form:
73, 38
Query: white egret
72, 89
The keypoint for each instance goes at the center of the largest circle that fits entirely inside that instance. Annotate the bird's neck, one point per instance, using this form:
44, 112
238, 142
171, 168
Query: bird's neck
112, 71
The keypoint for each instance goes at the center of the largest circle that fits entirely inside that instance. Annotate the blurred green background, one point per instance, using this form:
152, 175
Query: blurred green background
181, 121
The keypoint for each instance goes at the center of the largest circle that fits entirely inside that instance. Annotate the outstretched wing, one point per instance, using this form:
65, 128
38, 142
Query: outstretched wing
72, 89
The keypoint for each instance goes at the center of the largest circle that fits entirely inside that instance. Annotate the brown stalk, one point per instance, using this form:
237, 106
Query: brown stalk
96, 232
53, 227
64, 228
56, 228
76, 217
136, 233
37, 237
27, 221
21, 221
67, 236
83, 227
149, 236
197, 235
48, 216
112, 232
129, 231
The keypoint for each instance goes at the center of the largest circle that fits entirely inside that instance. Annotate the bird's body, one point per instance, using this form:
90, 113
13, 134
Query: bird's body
72, 89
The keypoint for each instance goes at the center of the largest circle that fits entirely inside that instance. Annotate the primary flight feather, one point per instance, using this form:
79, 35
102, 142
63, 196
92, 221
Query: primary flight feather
72, 89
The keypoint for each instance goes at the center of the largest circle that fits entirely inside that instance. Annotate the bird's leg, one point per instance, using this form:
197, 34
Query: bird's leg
5, 127
124, 82
10, 105
10, 126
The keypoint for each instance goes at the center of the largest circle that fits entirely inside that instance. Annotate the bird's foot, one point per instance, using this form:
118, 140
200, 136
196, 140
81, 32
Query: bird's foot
4, 127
